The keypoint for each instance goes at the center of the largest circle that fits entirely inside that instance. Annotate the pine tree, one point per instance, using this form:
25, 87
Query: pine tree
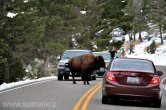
135, 8
152, 48
156, 14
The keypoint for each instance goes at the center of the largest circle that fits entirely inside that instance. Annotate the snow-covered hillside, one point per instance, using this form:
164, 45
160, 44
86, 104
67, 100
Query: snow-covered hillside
158, 58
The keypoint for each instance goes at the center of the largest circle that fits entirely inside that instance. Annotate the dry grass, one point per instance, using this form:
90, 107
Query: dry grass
145, 49
128, 43
157, 45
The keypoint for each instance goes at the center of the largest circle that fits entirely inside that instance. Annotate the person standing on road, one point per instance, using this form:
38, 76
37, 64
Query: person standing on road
123, 54
112, 52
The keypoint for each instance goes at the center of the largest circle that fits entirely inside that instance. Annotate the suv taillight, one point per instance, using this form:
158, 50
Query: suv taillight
155, 80
110, 76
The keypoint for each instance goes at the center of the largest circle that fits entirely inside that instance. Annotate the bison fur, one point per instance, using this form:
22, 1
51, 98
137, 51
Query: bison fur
85, 65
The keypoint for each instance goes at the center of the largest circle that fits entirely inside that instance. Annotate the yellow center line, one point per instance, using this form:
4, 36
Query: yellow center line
78, 104
85, 105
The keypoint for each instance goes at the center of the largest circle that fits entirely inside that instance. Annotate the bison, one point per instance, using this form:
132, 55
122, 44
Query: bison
85, 65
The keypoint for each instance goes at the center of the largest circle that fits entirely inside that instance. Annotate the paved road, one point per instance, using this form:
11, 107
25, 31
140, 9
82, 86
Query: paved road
63, 95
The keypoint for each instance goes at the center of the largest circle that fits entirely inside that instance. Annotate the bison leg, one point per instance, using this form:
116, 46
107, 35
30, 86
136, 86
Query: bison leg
83, 77
87, 82
87, 79
74, 81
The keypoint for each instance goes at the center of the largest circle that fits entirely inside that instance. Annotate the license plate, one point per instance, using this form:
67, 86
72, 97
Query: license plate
132, 80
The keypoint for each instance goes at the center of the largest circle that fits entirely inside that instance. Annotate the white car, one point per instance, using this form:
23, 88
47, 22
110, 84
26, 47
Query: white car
107, 58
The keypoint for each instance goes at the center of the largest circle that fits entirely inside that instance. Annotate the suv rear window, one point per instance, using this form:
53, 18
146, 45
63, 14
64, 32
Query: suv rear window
70, 54
132, 65
106, 56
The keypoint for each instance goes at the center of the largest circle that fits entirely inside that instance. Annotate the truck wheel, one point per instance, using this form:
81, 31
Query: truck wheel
66, 77
60, 77
90, 78
94, 77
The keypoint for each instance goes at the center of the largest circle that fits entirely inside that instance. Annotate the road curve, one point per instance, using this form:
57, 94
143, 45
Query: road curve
63, 95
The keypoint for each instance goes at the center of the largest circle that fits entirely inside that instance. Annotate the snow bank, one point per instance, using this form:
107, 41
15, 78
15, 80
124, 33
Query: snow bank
14, 84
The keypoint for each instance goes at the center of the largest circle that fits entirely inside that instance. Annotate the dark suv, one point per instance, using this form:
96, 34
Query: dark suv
63, 70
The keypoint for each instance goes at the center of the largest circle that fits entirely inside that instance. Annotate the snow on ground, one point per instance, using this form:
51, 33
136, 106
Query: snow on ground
159, 56
143, 34
11, 15
83, 12
5, 86
25, 1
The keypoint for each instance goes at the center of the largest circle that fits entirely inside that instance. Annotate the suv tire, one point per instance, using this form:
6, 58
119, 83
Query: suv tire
94, 77
60, 77
66, 77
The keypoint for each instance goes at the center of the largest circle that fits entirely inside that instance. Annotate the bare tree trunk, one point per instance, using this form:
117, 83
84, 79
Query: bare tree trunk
7, 72
134, 37
140, 37
159, 20
130, 36
161, 36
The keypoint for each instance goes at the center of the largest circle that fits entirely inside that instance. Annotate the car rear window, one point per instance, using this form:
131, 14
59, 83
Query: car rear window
132, 65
